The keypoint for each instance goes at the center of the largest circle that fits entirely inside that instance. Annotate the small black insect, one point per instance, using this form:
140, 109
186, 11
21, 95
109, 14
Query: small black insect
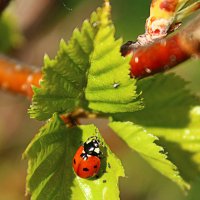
109, 166
116, 85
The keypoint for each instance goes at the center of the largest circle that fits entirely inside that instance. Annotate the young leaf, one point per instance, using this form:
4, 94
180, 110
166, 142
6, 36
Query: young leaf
50, 174
64, 78
110, 87
143, 142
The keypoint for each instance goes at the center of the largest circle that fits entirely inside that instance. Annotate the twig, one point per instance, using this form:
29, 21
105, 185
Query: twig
165, 53
145, 61
18, 78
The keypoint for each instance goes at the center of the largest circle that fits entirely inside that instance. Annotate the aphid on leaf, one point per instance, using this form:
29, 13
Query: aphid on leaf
116, 85
87, 159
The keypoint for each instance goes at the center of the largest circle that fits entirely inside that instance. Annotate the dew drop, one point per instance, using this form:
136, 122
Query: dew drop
116, 85
147, 70
136, 59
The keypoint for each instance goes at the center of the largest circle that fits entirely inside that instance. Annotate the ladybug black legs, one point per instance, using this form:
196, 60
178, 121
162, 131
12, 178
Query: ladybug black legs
84, 156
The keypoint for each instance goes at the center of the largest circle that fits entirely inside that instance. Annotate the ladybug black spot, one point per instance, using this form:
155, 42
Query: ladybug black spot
74, 161
85, 169
95, 166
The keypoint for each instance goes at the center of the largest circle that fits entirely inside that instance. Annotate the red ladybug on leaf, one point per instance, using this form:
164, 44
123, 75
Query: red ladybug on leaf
87, 160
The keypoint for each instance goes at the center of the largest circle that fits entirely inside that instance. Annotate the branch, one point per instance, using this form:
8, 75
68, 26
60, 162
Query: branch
18, 78
165, 53
145, 61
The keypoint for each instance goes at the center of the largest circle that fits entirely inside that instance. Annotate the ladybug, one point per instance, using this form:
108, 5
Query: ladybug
87, 159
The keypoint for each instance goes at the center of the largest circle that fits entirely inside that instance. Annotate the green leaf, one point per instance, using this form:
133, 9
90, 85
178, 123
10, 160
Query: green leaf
171, 113
64, 78
183, 159
188, 137
167, 102
110, 88
50, 174
141, 141
185, 141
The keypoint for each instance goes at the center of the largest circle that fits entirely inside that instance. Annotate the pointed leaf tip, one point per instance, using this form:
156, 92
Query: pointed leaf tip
64, 77
142, 142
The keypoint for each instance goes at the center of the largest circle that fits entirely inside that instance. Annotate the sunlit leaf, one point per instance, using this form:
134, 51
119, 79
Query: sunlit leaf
110, 88
171, 113
142, 142
50, 173
64, 78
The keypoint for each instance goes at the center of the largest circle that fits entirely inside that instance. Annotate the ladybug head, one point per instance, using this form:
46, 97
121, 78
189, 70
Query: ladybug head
91, 146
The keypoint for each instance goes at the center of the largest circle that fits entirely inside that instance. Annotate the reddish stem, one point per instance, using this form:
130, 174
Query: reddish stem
158, 57
165, 53
145, 61
18, 78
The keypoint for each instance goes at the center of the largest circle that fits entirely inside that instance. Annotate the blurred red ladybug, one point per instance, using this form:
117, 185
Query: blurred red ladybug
87, 160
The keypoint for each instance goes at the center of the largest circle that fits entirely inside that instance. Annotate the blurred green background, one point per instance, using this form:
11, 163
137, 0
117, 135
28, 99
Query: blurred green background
43, 24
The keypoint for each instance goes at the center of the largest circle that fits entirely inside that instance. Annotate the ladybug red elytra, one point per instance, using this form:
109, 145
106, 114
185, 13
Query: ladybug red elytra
87, 160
